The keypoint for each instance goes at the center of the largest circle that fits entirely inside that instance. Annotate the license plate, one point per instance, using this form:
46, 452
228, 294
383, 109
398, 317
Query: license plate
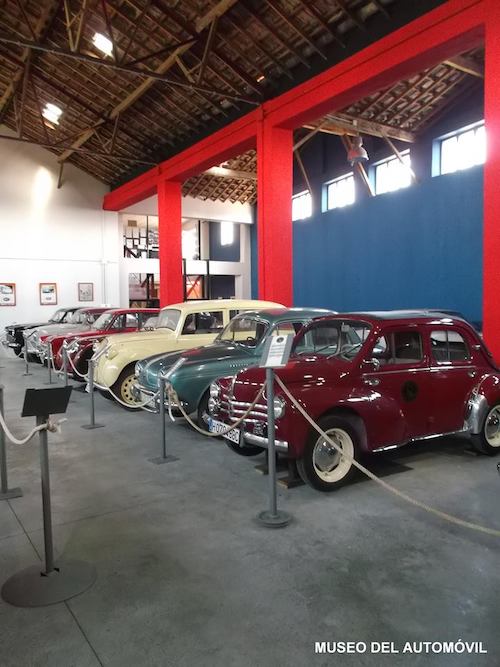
215, 426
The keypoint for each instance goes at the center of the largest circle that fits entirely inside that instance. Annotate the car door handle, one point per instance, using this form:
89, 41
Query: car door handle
372, 382
471, 374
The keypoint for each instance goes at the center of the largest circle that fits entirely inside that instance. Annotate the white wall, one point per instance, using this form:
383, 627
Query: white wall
51, 235
197, 208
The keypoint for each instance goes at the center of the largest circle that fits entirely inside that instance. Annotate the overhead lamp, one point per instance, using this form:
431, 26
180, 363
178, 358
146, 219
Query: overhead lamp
357, 153
261, 78
102, 43
52, 113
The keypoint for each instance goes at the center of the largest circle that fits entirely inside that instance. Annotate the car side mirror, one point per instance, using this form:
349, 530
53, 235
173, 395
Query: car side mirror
370, 364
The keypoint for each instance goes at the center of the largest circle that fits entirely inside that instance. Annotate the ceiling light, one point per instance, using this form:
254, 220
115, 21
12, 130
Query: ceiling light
260, 78
102, 43
357, 154
52, 113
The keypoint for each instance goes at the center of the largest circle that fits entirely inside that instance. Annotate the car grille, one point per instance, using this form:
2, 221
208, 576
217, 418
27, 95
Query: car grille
235, 409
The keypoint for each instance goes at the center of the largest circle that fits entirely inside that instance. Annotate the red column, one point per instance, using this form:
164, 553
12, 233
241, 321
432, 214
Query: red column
274, 213
170, 241
491, 224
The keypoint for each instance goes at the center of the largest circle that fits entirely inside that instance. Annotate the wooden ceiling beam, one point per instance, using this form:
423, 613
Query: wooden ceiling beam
466, 65
310, 9
215, 13
289, 21
341, 124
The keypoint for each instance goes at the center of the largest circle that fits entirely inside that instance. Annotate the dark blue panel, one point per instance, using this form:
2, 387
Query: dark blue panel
224, 253
419, 247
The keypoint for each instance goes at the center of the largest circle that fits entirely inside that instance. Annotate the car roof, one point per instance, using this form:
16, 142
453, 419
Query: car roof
213, 304
404, 316
120, 311
274, 314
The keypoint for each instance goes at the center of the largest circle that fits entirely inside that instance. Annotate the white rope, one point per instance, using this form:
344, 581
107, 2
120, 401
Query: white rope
52, 426
134, 406
388, 487
173, 395
75, 370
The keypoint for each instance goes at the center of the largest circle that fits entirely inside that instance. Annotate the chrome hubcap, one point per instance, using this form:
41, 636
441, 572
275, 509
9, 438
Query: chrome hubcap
492, 427
329, 464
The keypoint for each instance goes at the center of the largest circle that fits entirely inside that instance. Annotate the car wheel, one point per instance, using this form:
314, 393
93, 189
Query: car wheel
123, 387
321, 465
106, 394
488, 441
202, 414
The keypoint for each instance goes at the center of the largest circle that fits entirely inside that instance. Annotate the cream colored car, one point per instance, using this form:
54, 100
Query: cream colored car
180, 326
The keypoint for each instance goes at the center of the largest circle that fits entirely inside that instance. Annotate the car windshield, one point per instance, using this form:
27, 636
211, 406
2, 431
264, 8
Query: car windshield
103, 321
246, 331
60, 315
78, 317
169, 318
150, 324
333, 338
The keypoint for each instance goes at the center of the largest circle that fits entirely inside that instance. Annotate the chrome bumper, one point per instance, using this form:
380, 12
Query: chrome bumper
260, 441
141, 394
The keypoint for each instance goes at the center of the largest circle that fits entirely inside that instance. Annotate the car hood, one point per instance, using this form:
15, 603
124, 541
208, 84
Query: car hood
141, 337
60, 329
26, 325
150, 368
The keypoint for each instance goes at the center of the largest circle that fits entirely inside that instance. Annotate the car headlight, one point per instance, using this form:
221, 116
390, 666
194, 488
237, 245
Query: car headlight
279, 407
214, 390
111, 353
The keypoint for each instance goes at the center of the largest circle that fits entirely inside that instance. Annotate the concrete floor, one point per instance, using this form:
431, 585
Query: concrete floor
186, 577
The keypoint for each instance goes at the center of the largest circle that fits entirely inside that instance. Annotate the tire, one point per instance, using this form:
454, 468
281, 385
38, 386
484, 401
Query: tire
123, 386
321, 466
488, 441
202, 412
106, 394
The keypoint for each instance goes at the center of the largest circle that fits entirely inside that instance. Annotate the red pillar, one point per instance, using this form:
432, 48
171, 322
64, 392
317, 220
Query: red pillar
491, 225
170, 241
274, 213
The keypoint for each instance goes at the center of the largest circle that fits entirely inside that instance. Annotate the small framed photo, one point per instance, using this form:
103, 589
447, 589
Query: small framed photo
48, 294
7, 294
85, 291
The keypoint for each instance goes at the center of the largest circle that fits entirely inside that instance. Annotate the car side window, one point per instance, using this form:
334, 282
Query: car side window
130, 321
287, 328
400, 347
448, 346
203, 323
117, 323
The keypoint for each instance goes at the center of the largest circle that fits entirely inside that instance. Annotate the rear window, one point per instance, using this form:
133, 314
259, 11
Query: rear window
448, 346
206, 322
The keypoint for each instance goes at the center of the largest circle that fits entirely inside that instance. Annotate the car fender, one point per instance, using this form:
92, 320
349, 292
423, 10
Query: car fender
484, 395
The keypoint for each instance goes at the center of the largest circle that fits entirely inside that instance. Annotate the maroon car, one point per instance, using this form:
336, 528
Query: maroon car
372, 382
80, 343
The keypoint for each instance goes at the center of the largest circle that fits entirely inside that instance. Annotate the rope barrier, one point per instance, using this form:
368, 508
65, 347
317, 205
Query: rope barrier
75, 370
388, 487
50, 425
135, 406
172, 394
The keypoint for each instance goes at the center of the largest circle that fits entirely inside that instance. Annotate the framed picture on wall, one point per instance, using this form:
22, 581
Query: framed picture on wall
48, 294
85, 291
7, 294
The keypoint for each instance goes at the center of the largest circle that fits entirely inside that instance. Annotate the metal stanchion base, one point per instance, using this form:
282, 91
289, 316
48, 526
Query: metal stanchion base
31, 588
89, 427
11, 493
163, 459
278, 520
26, 374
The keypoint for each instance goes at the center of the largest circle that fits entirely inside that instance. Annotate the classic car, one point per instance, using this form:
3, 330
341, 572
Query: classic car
14, 338
238, 346
180, 327
80, 320
408, 377
80, 346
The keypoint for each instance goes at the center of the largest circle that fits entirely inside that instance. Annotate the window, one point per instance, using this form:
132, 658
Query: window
226, 233
392, 174
302, 205
203, 323
340, 192
465, 148
130, 321
401, 347
448, 346
247, 331
338, 338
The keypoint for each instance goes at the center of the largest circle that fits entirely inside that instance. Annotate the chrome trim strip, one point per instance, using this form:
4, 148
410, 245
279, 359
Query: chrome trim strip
281, 445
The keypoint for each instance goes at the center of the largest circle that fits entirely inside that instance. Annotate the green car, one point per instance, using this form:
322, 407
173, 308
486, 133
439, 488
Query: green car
237, 347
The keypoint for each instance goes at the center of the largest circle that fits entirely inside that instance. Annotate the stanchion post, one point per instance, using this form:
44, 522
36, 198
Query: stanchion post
164, 458
26, 362
92, 424
5, 492
272, 518
46, 504
49, 362
65, 364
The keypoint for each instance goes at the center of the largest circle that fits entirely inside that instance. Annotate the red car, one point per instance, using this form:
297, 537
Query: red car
118, 320
372, 382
